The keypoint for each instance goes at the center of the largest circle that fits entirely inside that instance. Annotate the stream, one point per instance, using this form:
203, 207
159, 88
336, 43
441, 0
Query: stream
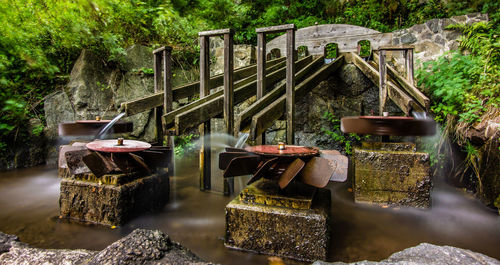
29, 208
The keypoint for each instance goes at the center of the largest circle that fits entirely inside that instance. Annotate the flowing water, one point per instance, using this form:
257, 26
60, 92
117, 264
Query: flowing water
104, 131
29, 209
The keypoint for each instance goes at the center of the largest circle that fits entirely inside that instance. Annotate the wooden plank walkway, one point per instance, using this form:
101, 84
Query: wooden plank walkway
267, 116
188, 90
213, 108
244, 119
406, 84
169, 118
400, 98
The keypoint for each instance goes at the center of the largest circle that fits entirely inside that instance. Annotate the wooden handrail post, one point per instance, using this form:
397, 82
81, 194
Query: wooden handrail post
162, 58
408, 55
290, 73
382, 69
228, 83
409, 66
261, 75
290, 86
205, 152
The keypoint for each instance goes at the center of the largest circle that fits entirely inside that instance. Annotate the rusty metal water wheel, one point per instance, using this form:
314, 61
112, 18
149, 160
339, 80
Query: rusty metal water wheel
388, 126
279, 162
91, 127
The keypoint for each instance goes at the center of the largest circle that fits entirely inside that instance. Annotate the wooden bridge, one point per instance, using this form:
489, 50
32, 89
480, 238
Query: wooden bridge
274, 99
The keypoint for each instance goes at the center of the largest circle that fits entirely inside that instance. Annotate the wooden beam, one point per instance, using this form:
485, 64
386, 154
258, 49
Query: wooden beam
212, 33
167, 80
409, 66
397, 47
406, 85
290, 85
261, 64
155, 100
213, 108
274, 29
266, 117
261, 76
228, 83
169, 118
204, 127
245, 117
157, 62
382, 84
403, 101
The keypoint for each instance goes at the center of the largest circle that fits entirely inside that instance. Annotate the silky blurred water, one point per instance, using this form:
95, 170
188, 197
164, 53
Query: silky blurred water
29, 209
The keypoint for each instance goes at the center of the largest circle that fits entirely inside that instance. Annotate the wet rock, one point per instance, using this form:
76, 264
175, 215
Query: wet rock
35, 256
139, 247
6, 242
428, 254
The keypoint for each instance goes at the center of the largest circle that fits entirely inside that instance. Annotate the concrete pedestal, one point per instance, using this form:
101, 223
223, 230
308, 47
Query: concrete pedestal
300, 233
392, 174
112, 199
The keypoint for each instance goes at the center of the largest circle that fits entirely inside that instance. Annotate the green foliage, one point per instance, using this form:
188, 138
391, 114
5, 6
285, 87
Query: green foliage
465, 85
144, 71
347, 141
331, 50
184, 144
40, 40
365, 49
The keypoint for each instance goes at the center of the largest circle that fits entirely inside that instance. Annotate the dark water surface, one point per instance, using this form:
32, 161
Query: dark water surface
29, 209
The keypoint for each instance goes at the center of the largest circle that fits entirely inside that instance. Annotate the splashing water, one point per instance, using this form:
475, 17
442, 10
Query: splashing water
218, 144
102, 133
242, 140
420, 115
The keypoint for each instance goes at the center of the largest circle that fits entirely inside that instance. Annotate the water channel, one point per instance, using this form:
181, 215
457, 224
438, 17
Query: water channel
29, 209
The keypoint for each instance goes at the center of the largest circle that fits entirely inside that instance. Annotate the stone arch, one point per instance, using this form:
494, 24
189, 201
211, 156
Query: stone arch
346, 36
364, 48
273, 54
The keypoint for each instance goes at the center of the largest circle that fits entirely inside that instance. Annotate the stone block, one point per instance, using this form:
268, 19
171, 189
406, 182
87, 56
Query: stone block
388, 177
408, 38
433, 25
112, 204
267, 192
301, 234
383, 146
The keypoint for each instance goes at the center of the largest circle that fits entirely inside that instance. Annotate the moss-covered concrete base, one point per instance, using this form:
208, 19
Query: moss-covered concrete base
112, 204
392, 174
293, 233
